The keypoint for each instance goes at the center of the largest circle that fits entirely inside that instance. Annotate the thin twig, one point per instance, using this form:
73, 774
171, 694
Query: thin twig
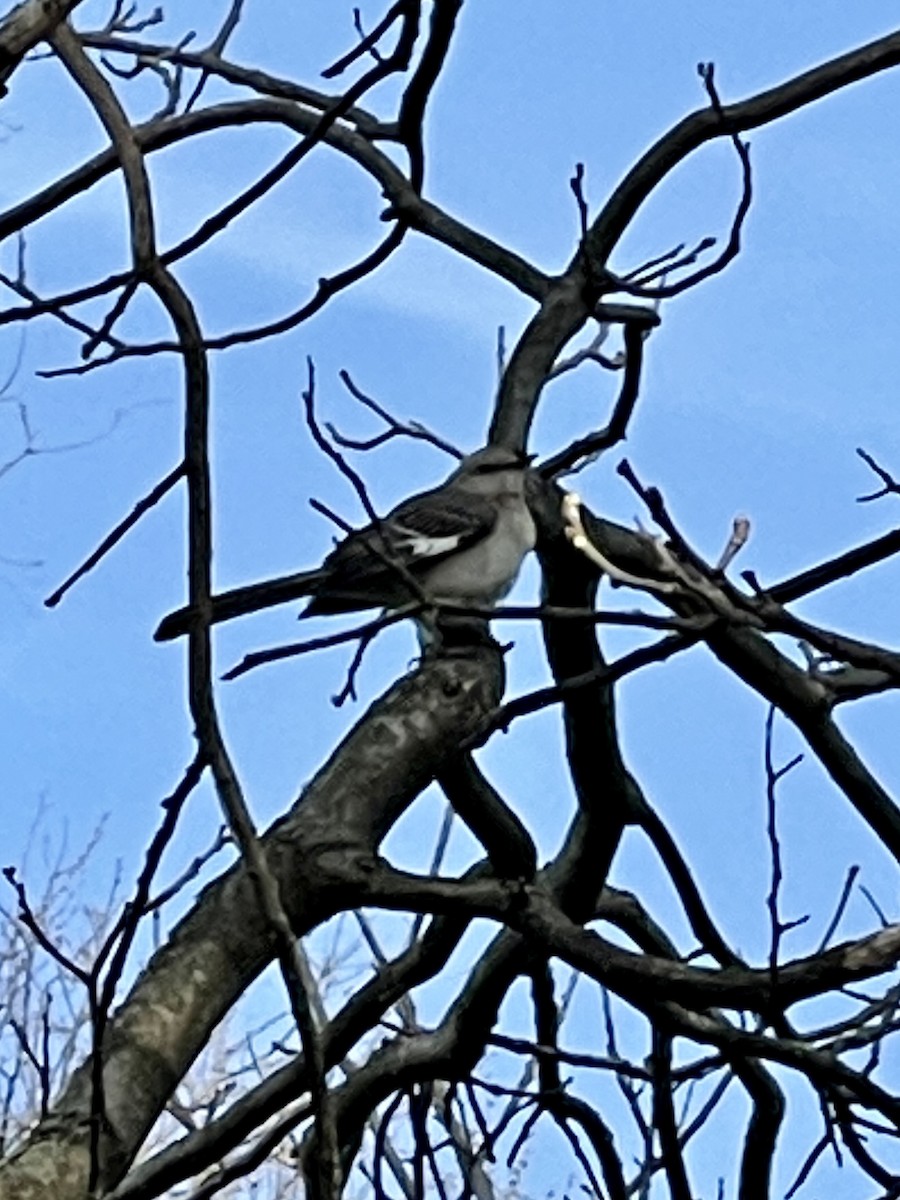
773, 777
891, 485
840, 909
411, 429
143, 505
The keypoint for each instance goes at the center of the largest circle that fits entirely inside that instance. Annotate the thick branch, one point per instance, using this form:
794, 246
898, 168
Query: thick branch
642, 978
418, 213
567, 305
24, 27
709, 123
315, 853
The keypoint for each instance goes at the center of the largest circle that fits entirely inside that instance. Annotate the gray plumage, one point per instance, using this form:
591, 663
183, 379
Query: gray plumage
462, 543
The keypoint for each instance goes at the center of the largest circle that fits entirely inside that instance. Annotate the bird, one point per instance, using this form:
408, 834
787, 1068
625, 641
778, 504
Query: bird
461, 543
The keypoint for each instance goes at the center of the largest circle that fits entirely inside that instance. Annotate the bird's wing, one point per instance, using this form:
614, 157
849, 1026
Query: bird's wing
415, 535
439, 523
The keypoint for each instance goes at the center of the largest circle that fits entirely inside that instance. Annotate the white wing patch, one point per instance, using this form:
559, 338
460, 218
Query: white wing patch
421, 545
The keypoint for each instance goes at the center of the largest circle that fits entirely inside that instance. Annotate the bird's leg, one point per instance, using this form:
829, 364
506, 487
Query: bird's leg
453, 633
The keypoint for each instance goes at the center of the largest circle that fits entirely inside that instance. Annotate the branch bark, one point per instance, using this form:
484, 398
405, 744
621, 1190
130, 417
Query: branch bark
320, 855
28, 24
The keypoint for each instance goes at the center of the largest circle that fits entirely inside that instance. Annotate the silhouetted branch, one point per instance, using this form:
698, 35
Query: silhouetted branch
890, 484
143, 505
588, 448
27, 24
395, 428
732, 247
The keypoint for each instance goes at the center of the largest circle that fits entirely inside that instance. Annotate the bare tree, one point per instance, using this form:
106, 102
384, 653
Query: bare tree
366, 1087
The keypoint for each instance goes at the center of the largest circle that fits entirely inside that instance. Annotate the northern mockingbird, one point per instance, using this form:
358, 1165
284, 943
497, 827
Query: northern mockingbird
461, 543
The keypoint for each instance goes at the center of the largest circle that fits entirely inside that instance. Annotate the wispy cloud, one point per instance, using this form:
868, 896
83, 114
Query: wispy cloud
422, 281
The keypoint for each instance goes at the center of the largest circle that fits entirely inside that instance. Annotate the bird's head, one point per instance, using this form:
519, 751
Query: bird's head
493, 471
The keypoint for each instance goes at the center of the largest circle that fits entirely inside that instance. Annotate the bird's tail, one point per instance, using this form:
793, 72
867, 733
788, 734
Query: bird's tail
240, 601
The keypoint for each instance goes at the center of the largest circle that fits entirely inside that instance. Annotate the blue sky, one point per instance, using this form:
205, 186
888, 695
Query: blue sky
758, 387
